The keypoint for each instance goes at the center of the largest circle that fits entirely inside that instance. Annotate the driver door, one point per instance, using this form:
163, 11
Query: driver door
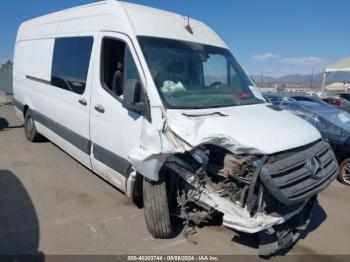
114, 130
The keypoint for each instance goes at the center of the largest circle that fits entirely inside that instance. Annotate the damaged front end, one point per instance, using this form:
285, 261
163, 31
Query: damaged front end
218, 169
271, 195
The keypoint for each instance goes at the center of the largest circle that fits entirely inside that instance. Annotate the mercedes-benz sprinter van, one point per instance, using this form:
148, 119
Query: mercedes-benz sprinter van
156, 104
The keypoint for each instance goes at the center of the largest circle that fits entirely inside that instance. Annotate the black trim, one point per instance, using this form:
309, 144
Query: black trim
290, 180
274, 107
75, 139
19, 105
106, 157
115, 162
250, 197
40, 80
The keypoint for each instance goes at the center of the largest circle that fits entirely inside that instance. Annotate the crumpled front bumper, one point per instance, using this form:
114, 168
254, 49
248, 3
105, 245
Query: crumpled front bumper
240, 218
283, 236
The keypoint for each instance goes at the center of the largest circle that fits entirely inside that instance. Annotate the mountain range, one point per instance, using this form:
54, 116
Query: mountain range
304, 79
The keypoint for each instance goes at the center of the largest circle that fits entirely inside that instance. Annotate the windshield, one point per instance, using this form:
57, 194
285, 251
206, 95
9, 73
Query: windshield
193, 76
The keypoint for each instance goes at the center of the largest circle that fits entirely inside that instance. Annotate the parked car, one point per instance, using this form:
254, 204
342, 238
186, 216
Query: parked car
158, 106
345, 96
309, 99
338, 102
275, 99
272, 98
334, 126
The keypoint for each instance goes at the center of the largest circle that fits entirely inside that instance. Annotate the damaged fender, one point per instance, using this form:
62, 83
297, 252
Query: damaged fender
234, 129
164, 142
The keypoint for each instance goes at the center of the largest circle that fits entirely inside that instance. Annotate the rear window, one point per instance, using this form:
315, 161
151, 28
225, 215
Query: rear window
70, 64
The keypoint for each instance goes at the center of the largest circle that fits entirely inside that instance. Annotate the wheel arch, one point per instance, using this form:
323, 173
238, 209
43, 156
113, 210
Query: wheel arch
25, 109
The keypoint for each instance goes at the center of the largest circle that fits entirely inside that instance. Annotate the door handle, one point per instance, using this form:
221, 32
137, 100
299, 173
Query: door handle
83, 102
99, 109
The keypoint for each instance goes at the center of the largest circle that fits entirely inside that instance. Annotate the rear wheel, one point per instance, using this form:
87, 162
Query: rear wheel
159, 205
30, 131
344, 172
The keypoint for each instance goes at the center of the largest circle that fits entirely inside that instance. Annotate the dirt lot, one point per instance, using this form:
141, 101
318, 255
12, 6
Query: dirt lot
53, 205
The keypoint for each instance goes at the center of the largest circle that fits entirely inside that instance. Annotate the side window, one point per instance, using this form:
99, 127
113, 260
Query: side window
70, 64
118, 66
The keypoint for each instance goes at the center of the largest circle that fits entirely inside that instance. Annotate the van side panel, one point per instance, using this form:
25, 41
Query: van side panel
32, 60
51, 105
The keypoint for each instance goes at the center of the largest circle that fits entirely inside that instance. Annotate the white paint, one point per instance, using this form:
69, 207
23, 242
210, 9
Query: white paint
254, 129
40, 50
127, 18
116, 130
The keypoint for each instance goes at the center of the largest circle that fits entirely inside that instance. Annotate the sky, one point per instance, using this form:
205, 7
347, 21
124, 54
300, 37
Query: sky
272, 37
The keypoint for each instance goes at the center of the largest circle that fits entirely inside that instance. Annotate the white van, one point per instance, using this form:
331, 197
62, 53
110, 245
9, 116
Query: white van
156, 104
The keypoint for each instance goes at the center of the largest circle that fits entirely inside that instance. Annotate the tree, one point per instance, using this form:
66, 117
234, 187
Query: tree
7, 65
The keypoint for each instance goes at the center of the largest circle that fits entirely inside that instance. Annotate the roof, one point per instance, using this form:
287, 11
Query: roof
340, 66
335, 86
127, 18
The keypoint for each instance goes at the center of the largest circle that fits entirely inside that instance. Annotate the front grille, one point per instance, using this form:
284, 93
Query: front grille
288, 176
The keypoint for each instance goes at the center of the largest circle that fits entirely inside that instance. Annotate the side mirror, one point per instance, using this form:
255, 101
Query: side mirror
132, 97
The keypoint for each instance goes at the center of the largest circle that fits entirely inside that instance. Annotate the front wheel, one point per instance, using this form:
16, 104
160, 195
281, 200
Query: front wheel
30, 131
344, 172
157, 208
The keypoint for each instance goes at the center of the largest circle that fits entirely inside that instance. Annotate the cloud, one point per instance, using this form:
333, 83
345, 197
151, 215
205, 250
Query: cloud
306, 61
263, 57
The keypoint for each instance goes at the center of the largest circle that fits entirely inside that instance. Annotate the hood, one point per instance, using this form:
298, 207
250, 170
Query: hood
258, 129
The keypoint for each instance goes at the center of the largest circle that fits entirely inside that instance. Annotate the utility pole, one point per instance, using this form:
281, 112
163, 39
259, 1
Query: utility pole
262, 79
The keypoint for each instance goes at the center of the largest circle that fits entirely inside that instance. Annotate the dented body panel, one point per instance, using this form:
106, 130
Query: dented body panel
252, 129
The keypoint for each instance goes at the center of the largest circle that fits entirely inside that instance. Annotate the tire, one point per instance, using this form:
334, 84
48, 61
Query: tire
344, 172
30, 131
156, 209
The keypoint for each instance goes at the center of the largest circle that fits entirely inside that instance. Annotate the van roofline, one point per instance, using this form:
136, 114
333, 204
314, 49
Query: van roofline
134, 19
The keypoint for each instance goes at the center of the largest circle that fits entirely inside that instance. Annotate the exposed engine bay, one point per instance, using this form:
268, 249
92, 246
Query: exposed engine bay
228, 175
253, 194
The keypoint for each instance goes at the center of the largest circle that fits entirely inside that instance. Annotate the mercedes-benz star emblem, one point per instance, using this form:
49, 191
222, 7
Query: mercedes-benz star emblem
315, 166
